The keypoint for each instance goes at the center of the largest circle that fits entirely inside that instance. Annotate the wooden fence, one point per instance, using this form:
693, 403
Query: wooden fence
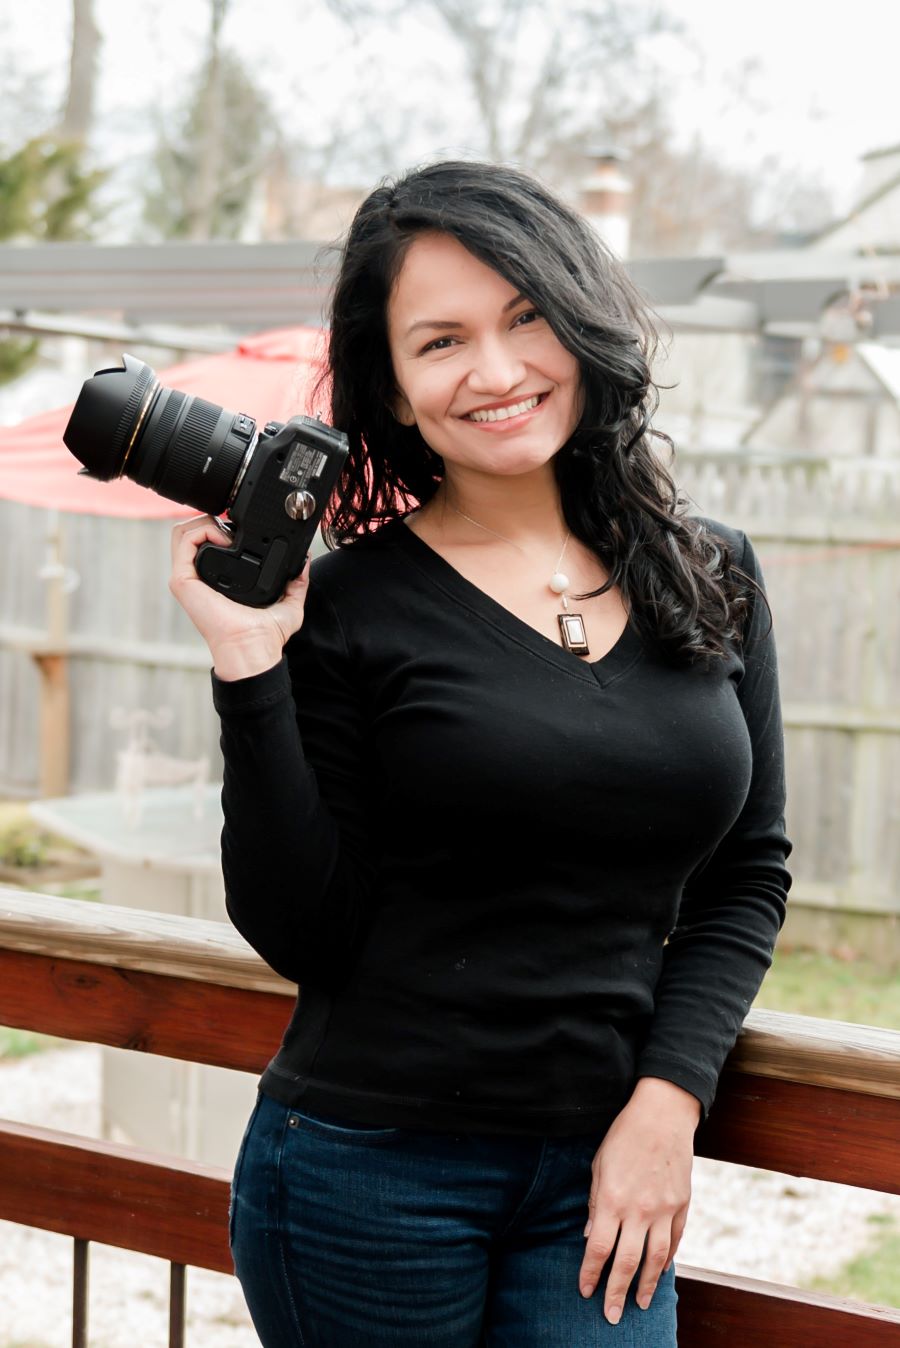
827, 532
801, 1096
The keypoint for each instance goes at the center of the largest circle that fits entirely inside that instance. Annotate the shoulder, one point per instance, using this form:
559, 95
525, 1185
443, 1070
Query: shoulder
354, 557
358, 578
737, 541
343, 583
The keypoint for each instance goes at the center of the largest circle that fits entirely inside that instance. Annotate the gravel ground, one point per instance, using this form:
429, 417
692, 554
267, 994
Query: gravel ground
744, 1221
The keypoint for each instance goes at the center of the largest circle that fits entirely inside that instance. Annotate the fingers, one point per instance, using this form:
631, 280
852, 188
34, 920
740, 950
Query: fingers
601, 1240
651, 1251
187, 538
193, 526
288, 611
629, 1257
625, 1264
208, 608
679, 1222
658, 1246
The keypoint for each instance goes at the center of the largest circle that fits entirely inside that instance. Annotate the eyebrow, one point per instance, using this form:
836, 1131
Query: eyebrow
445, 325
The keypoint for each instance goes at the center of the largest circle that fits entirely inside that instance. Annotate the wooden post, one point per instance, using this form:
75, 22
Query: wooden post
52, 663
54, 748
867, 881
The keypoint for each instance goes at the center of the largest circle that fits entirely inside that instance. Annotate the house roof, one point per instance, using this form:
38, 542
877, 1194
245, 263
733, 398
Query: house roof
878, 194
882, 153
884, 362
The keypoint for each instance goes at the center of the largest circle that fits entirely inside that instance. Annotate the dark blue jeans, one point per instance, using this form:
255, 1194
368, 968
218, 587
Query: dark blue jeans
353, 1237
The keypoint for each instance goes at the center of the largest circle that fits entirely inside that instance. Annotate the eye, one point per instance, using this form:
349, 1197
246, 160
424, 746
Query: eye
436, 345
529, 316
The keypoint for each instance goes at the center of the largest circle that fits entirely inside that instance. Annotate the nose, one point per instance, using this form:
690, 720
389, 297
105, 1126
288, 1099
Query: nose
496, 368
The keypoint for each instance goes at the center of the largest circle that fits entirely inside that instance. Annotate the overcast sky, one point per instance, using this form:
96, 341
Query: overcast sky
827, 81
822, 92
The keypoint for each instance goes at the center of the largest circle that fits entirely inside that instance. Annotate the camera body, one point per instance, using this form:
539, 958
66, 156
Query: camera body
283, 486
273, 486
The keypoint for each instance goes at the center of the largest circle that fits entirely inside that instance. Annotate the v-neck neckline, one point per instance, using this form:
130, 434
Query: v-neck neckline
620, 656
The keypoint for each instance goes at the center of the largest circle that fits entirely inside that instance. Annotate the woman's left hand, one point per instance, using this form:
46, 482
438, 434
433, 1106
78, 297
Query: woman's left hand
641, 1189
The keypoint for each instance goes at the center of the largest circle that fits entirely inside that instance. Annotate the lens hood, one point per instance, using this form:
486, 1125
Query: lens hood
107, 416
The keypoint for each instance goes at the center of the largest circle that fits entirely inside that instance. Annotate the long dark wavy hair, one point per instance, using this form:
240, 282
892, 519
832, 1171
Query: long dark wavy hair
679, 581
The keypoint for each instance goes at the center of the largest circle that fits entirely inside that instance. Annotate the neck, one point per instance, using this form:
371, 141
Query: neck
525, 511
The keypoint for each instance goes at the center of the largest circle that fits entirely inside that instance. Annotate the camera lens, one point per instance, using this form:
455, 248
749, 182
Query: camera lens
126, 424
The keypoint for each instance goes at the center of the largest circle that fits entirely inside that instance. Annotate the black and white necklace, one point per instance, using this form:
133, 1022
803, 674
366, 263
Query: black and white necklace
571, 625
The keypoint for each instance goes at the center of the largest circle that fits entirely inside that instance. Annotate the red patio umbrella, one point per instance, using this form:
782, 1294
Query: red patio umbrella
270, 376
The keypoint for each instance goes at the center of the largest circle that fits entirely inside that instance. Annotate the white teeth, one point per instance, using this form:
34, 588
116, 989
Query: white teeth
504, 413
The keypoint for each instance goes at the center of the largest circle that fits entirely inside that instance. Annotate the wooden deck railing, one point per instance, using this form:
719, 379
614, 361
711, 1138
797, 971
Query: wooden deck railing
806, 1097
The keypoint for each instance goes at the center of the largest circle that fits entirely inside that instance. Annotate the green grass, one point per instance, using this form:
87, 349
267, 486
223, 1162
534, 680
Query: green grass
87, 889
22, 1043
21, 844
874, 1275
810, 984
24, 844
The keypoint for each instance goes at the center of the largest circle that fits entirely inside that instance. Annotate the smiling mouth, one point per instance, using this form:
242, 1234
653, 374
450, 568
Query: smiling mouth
504, 413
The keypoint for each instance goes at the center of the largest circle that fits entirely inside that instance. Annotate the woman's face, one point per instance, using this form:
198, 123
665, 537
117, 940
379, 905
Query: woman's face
478, 370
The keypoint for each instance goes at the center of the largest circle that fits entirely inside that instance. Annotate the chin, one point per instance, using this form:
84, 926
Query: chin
506, 465
504, 457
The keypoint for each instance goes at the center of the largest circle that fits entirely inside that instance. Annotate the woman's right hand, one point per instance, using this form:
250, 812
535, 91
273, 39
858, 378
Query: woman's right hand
242, 640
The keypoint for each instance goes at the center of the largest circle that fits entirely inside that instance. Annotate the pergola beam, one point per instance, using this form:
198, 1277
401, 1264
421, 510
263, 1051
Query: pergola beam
105, 330
239, 287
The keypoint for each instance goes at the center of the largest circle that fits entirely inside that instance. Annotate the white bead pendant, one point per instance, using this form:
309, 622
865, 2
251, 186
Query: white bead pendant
559, 582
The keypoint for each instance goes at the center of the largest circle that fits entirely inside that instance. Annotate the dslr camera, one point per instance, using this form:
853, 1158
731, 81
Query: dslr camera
273, 484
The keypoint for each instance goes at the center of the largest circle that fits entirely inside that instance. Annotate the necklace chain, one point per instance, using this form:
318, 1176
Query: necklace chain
571, 625
509, 540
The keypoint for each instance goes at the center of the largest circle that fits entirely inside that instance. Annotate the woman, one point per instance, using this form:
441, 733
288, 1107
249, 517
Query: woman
503, 793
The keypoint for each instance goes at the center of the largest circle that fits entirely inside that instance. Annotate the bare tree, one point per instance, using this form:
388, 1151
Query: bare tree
205, 169
204, 184
78, 111
549, 82
46, 193
546, 77
685, 200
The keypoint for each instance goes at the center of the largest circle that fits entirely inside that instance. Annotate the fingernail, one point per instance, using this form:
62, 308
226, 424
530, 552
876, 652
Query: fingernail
586, 1289
587, 1229
614, 1314
643, 1302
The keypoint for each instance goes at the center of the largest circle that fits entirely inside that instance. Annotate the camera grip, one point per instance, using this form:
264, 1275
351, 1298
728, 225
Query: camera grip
245, 577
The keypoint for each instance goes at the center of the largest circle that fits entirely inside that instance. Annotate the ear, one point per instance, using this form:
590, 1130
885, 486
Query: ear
401, 410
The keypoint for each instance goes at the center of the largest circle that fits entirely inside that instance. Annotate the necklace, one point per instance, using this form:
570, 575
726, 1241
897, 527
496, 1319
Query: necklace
571, 625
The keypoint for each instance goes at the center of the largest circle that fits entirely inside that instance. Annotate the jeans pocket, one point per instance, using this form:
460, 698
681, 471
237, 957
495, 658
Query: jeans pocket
238, 1166
328, 1127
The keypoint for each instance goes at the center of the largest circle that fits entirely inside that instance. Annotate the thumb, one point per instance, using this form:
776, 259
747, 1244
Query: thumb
288, 610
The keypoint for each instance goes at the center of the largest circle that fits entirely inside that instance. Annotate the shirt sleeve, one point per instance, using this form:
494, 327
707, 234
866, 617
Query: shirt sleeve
297, 855
733, 904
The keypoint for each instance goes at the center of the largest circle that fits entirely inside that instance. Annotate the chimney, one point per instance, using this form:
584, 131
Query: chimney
606, 198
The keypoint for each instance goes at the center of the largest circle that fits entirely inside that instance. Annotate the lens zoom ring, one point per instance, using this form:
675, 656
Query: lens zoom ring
167, 419
131, 409
190, 450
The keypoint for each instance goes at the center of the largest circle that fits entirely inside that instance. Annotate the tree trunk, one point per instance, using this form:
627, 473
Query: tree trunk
212, 126
77, 115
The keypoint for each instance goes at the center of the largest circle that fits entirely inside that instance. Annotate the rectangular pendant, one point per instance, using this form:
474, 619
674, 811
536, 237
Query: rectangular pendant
574, 637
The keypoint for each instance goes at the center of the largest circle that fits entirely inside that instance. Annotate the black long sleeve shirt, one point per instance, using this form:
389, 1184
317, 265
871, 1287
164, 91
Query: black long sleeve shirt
509, 881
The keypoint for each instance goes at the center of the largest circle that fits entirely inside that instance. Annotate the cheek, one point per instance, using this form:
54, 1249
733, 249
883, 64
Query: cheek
435, 393
574, 389
563, 368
